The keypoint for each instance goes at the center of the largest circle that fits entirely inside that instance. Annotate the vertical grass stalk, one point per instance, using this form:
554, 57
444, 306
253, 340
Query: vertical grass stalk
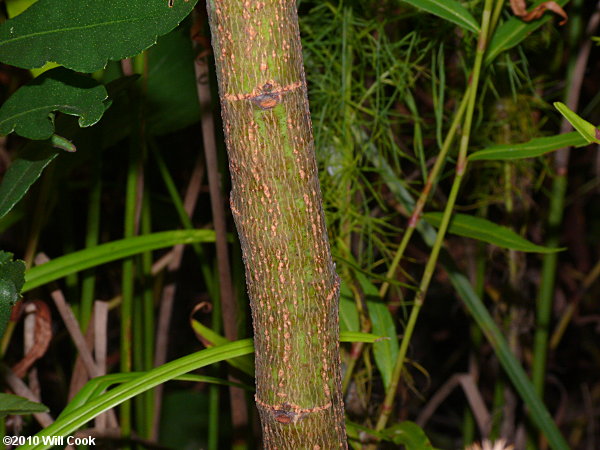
461, 167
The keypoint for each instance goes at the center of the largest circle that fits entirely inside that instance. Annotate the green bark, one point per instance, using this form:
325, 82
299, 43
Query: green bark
277, 207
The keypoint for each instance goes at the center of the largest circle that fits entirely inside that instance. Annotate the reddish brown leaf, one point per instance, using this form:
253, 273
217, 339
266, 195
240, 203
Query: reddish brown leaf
42, 337
520, 10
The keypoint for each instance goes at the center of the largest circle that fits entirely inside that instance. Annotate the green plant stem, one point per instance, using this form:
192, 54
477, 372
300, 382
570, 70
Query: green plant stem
544, 307
39, 217
132, 199
186, 222
430, 267
498, 7
577, 64
148, 325
88, 282
422, 200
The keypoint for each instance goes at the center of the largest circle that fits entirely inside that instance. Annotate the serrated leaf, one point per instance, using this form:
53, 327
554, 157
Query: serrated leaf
348, 313
484, 230
530, 149
22, 173
450, 10
170, 101
386, 350
513, 31
588, 131
13, 405
84, 35
409, 434
12, 278
29, 111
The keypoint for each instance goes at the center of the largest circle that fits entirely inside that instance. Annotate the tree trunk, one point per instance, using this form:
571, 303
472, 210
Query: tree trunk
276, 204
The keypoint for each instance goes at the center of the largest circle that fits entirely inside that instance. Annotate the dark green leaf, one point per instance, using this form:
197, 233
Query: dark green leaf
408, 434
29, 111
588, 131
484, 230
450, 10
386, 350
12, 278
22, 173
513, 31
13, 404
171, 100
531, 149
84, 34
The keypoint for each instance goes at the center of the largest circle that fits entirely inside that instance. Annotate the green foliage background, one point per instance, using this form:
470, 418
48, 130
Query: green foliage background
515, 287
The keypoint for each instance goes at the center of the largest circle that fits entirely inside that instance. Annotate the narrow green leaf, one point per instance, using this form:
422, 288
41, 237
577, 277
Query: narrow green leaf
537, 410
23, 172
12, 278
84, 34
513, 31
408, 434
111, 251
28, 112
358, 336
13, 404
384, 351
96, 386
348, 313
243, 363
246, 363
450, 10
486, 231
588, 131
70, 422
531, 149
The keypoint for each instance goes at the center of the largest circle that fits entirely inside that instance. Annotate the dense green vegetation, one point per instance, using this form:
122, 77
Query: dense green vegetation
449, 107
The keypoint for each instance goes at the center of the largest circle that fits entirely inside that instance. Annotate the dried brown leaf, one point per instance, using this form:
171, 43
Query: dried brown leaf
520, 10
41, 340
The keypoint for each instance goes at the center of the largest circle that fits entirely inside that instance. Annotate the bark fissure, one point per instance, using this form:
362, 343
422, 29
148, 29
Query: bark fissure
276, 205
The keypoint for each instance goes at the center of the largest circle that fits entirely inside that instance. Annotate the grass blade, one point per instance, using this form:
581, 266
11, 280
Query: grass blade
484, 230
588, 131
111, 251
530, 149
386, 350
70, 422
537, 410
450, 10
